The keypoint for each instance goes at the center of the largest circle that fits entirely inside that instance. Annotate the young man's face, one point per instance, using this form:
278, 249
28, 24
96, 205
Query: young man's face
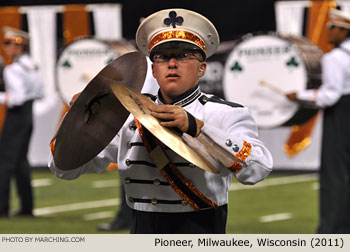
336, 34
12, 49
177, 72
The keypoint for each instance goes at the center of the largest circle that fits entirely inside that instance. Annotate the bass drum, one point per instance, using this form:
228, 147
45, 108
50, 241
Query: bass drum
81, 60
262, 68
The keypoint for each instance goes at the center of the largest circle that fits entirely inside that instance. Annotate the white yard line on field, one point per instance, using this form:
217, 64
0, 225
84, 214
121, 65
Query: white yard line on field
106, 183
41, 182
275, 181
116, 201
76, 206
275, 217
98, 216
315, 186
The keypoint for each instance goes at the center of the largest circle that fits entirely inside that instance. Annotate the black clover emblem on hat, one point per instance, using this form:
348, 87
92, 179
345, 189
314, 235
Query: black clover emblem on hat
173, 19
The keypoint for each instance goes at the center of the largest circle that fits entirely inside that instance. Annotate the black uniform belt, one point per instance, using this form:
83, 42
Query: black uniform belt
147, 182
158, 201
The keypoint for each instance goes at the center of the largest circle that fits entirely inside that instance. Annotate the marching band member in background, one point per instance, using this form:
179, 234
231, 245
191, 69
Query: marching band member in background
23, 85
333, 97
181, 198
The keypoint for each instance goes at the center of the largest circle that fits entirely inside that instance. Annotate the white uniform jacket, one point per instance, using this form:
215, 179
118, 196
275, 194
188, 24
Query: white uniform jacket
335, 78
228, 125
22, 82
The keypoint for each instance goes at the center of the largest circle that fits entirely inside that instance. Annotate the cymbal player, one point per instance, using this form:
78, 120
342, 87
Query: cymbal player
177, 196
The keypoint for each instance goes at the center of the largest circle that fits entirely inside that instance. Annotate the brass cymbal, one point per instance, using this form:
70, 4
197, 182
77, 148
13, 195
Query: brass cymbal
97, 115
137, 104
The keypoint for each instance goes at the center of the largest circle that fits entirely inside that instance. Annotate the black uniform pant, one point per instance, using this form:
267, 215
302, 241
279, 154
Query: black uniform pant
210, 221
335, 169
14, 142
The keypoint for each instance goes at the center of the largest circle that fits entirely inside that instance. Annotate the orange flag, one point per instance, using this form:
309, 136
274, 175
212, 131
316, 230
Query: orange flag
75, 25
300, 136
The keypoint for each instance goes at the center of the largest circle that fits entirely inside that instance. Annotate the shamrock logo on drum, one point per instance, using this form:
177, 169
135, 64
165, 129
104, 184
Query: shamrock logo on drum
66, 64
237, 67
292, 62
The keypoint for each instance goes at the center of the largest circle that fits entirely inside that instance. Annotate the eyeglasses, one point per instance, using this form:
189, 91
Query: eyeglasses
7, 42
180, 57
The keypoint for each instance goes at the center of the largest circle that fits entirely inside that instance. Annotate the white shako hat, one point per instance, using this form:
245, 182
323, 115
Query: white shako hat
173, 29
339, 18
15, 35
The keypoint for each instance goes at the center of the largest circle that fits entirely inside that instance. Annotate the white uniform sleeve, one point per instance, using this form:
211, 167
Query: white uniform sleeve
2, 97
96, 165
332, 82
15, 87
22, 81
235, 130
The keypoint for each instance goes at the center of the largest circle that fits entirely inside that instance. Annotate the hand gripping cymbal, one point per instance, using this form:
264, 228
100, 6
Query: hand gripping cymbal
138, 104
97, 115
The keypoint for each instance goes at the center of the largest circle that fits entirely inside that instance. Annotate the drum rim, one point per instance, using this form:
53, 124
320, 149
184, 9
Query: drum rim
63, 49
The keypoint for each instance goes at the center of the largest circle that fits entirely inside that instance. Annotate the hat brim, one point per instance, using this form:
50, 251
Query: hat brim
176, 45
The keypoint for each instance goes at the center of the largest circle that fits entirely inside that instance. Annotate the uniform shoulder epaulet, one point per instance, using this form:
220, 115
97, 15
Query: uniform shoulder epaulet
204, 99
151, 96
